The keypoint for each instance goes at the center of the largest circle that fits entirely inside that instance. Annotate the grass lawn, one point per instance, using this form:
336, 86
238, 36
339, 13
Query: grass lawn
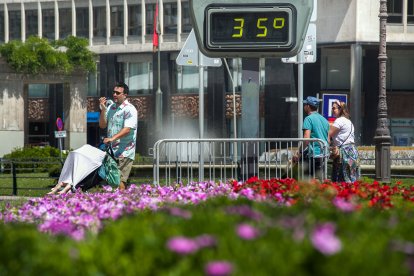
38, 184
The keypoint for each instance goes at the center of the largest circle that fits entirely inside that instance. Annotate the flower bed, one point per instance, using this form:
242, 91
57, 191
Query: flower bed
258, 227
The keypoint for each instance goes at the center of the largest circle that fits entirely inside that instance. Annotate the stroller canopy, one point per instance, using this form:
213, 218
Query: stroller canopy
80, 163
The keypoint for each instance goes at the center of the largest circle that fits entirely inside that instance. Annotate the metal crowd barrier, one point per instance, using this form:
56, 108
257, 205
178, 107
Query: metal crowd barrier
188, 160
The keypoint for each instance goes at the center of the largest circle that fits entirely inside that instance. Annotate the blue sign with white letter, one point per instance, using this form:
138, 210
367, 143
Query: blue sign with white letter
92, 117
328, 100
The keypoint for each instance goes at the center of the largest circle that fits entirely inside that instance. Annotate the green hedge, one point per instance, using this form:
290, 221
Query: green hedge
38, 158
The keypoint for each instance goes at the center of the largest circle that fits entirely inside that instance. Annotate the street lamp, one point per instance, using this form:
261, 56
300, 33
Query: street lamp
382, 136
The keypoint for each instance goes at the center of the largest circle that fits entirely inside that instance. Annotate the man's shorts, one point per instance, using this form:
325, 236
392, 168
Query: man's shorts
125, 166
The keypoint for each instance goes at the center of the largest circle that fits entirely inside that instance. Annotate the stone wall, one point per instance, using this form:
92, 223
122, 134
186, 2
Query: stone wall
13, 126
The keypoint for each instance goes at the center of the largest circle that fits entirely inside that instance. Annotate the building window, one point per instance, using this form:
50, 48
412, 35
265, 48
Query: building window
65, 22
235, 68
170, 18
410, 12
400, 70
31, 23
82, 22
1, 26
335, 71
38, 133
99, 22
38, 90
117, 21
394, 10
134, 18
15, 25
185, 18
187, 79
138, 77
94, 82
48, 24
149, 17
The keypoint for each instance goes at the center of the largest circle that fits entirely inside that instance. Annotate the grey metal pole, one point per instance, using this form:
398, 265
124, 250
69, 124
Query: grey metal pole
201, 113
234, 115
158, 97
201, 95
300, 97
158, 93
382, 136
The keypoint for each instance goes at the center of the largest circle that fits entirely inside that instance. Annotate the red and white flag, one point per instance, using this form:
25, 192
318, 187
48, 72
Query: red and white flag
156, 33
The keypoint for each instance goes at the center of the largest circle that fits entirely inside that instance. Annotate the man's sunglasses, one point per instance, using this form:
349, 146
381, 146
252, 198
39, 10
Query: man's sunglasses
117, 92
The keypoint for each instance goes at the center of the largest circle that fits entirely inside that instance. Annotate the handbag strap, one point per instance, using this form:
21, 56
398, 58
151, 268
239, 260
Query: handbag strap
110, 152
352, 125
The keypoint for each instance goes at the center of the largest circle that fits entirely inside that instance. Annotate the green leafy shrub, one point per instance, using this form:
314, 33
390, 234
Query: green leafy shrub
38, 55
54, 171
34, 157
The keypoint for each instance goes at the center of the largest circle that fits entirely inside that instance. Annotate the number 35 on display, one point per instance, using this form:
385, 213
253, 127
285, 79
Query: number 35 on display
262, 26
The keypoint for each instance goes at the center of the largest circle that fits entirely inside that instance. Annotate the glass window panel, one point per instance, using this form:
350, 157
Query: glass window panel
394, 10
117, 20
99, 22
410, 12
39, 90
31, 23
149, 17
402, 69
338, 72
82, 22
235, 67
1, 26
48, 24
134, 18
185, 17
94, 82
15, 25
65, 22
187, 79
139, 77
170, 18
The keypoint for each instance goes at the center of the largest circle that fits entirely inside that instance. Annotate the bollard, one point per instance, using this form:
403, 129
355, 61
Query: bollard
13, 167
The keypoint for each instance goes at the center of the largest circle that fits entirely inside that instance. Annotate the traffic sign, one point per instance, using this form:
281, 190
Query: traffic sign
59, 123
246, 28
328, 100
308, 52
190, 54
60, 134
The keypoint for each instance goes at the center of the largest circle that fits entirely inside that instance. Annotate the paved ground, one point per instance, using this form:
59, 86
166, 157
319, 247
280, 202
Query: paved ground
9, 198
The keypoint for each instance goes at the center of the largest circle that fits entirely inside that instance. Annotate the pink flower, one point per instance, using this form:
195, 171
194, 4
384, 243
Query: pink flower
324, 240
180, 213
218, 268
344, 205
246, 231
182, 245
205, 241
248, 193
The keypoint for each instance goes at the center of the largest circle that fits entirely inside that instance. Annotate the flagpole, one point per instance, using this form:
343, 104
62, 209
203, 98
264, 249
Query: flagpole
158, 94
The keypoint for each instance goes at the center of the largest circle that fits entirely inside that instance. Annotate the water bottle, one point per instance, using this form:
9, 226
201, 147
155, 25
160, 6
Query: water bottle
109, 102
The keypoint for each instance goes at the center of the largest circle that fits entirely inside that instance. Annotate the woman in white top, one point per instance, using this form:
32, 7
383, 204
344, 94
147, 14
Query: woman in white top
341, 134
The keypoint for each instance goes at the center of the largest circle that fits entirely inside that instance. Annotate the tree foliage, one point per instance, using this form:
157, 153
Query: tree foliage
38, 55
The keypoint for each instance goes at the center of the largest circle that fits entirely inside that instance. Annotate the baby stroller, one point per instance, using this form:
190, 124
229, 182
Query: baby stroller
81, 168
